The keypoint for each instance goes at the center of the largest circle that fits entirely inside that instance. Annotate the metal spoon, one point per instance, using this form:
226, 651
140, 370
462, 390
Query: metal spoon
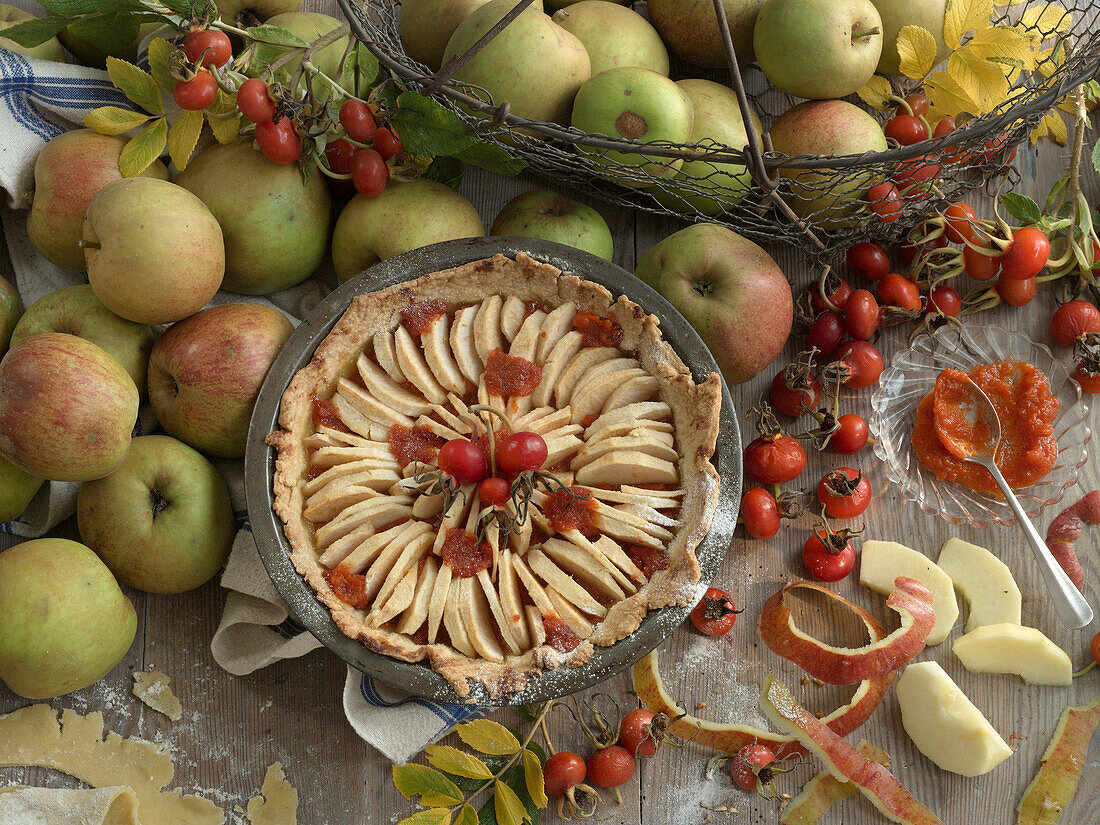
1069, 603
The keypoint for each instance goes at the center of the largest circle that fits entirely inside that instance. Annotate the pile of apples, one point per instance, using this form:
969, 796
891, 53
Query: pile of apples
603, 68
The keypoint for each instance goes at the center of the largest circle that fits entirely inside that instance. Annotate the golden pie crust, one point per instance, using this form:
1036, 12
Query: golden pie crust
648, 513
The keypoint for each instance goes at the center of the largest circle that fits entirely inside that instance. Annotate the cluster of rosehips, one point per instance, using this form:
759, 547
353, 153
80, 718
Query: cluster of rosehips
1076, 324
915, 178
365, 152
465, 462
206, 50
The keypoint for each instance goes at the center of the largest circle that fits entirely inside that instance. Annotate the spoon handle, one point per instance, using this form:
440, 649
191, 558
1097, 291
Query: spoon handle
1069, 603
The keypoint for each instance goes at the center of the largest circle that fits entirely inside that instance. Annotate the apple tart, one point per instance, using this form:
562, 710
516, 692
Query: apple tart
417, 559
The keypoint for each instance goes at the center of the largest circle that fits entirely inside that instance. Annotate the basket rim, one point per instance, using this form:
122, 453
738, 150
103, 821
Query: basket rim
977, 128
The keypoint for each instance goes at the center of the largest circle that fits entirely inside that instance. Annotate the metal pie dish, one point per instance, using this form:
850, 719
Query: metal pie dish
417, 678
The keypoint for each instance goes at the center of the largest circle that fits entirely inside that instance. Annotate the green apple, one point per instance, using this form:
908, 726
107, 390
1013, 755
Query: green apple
17, 488
533, 64
729, 289
554, 5
205, 373
818, 49
717, 118
634, 104
614, 36
690, 28
162, 522
896, 14
67, 408
75, 310
69, 171
154, 252
403, 217
230, 10
9, 313
542, 214
275, 225
427, 25
308, 26
66, 621
826, 127
50, 50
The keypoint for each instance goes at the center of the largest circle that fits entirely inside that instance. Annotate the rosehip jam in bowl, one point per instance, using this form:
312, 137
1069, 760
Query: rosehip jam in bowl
903, 407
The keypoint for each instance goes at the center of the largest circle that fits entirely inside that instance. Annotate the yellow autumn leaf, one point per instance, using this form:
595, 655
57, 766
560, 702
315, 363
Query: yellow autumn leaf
877, 93
143, 149
917, 49
532, 775
432, 816
982, 81
114, 120
507, 806
1046, 20
947, 96
467, 816
487, 736
1004, 46
1051, 125
456, 762
183, 136
962, 16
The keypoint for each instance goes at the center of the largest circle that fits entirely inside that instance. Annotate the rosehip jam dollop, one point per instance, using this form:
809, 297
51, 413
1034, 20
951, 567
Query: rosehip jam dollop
948, 426
509, 375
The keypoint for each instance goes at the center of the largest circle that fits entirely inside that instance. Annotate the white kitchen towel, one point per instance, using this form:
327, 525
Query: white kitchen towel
43, 99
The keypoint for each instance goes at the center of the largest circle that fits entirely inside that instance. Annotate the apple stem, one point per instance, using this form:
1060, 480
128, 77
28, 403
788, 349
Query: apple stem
862, 33
83, 244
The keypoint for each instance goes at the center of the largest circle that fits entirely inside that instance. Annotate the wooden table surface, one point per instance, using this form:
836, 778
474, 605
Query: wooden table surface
234, 727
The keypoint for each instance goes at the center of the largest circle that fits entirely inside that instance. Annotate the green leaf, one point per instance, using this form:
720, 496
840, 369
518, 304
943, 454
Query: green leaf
192, 8
452, 760
113, 120
137, 85
487, 736
434, 788
143, 149
1095, 153
70, 7
467, 816
275, 35
36, 31
1022, 208
159, 51
507, 806
428, 128
492, 158
366, 69
446, 170
113, 33
532, 772
433, 816
183, 137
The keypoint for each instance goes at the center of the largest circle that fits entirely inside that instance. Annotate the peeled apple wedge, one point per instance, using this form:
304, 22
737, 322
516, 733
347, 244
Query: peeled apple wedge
984, 581
1010, 648
883, 561
944, 724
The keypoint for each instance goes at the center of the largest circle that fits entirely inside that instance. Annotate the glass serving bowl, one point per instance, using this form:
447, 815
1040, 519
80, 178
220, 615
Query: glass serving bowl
912, 374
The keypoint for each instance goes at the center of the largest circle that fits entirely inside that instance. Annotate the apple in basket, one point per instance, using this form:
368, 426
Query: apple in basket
67, 409
162, 522
552, 217
896, 14
729, 289
68, 172
75, 310
206, 371
690, 28
230, 10
614, 36
405, 216
427, 25
66, 621
49, 50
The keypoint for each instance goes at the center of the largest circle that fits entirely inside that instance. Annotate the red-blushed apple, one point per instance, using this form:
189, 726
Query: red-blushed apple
162, 522
69, 171
67, 409
542, 214
75, 310
9, 313
405, 216
818, 49
154, 252
66, 621
843, 761
729, 289
844, 665
205, 373
17, 488
690, 28
826, 127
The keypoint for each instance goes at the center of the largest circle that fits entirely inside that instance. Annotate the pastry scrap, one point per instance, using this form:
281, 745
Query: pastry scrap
277, 803
153, 688
602, 532
68, 806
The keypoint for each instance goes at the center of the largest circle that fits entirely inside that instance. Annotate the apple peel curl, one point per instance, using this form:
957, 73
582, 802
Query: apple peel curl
730, 738
825, 790
844, 762
1056, 781
846, 665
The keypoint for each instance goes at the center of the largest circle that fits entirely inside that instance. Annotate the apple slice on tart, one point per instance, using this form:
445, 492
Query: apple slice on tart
405, 553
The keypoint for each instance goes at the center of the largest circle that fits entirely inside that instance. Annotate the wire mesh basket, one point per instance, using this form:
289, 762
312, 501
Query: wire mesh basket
816, 202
